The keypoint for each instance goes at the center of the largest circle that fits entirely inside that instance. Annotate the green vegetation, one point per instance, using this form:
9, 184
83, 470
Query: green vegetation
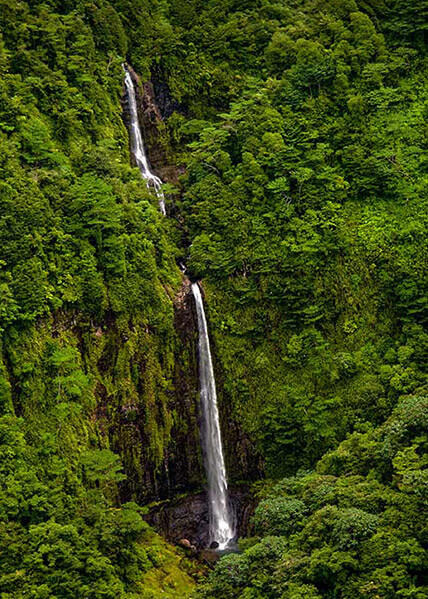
306, 205
61, 535
86, 276
301, 127
352, 528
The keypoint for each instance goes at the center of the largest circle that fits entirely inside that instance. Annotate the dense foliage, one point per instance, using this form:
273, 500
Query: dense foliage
84, 265
306, 205
301, 128
352, 528
305, 202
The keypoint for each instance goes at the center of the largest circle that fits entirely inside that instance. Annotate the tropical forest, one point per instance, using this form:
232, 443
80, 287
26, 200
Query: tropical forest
213, 299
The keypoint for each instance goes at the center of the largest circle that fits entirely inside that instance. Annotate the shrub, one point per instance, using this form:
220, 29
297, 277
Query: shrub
278, 516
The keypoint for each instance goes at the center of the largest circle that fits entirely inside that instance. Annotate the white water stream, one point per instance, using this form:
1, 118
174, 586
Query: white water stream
137, 145
221, 521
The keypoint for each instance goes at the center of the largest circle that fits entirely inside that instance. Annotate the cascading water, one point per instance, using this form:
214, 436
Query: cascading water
137, 145
221, 522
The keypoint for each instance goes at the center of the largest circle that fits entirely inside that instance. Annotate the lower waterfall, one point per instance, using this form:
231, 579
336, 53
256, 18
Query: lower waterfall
221, 521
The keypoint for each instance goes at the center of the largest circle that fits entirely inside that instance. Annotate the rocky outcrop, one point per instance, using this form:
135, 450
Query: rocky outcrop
151, 113
164, 100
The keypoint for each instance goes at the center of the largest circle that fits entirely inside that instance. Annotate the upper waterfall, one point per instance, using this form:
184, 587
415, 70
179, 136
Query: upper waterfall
137, 145
221, 521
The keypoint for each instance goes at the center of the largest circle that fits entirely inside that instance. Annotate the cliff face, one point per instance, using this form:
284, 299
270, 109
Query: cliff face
137, 389
177, 468
152, 113
180, 469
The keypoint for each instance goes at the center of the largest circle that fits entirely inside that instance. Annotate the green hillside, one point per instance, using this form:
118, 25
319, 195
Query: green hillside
292, 135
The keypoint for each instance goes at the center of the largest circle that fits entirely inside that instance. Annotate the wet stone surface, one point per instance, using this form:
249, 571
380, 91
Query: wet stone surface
186, 518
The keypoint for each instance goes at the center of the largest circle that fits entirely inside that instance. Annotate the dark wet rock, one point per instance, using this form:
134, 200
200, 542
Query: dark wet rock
187, 518
167, 104
180, 518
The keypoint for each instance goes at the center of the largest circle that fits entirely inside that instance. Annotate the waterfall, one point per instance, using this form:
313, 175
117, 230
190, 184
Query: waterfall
221, 526
137, 145
221, 521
